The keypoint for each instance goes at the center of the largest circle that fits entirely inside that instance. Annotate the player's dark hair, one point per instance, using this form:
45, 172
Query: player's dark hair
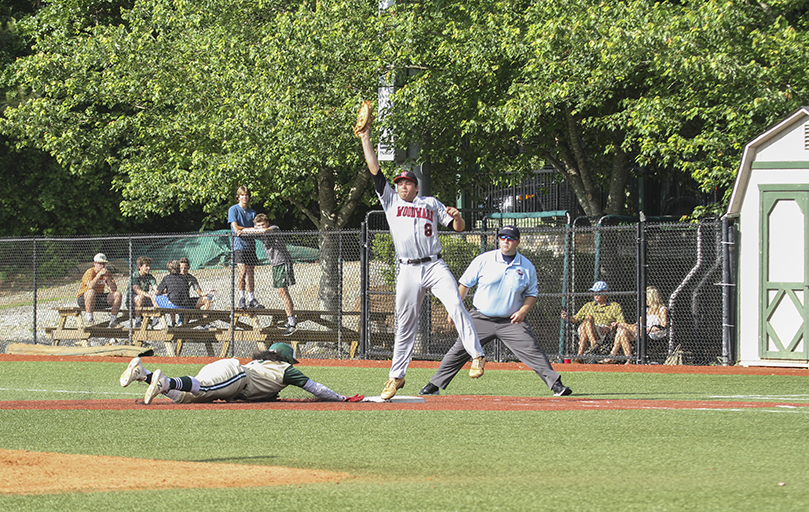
144, 260
185, 260
268, 355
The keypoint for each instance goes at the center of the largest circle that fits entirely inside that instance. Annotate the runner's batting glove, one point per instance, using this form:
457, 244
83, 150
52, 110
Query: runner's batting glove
355, 398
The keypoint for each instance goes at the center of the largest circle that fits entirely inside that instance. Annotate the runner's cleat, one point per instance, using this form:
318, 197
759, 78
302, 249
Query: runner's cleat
159, 385
135, 371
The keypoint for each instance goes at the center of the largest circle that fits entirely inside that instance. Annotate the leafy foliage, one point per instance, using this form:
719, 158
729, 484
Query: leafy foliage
167, 106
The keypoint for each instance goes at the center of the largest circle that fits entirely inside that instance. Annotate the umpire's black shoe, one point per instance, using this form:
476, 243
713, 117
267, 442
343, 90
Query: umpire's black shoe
429, 389
560, 389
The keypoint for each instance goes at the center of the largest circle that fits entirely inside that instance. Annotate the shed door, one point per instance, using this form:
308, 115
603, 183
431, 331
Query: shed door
784, 273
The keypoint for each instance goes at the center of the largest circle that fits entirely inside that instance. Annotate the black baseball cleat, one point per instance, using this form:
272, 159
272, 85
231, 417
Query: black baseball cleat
560, 389
429, 389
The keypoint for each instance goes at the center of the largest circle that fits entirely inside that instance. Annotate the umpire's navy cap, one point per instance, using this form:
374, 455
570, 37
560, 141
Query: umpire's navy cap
406, 175
511, 231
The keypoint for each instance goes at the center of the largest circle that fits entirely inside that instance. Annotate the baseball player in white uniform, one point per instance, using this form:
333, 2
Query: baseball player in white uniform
413, 222
260, 380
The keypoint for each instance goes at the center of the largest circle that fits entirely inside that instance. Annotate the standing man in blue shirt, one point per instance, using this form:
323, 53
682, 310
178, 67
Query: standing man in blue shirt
240, 218
506, 290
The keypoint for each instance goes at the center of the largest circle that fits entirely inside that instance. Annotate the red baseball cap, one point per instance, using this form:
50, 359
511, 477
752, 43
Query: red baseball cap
406, 175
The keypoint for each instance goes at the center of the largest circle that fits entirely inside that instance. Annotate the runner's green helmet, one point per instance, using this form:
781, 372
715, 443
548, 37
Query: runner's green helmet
286, 351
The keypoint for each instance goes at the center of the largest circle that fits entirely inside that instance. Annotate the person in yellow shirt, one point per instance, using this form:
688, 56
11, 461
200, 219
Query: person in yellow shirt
91, 294
597, 318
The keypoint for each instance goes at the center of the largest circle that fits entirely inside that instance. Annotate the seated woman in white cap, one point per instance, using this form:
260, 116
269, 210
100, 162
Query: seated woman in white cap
91, 294
597, 318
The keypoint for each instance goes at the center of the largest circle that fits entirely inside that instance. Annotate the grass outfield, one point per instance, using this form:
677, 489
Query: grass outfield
731, 459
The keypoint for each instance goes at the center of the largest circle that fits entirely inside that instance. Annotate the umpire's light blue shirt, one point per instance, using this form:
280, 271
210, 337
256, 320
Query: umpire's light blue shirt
501, 287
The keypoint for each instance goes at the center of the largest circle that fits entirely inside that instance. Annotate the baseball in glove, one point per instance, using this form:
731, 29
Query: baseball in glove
364, 118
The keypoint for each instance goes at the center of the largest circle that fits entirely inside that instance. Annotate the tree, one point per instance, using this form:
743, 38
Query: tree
599, 90
38, 196
185, 100
726, 72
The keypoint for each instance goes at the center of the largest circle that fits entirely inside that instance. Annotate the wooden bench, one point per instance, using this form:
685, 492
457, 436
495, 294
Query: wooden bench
193, 329
73, 326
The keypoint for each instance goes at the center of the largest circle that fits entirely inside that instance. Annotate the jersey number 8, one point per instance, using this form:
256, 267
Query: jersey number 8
428, 230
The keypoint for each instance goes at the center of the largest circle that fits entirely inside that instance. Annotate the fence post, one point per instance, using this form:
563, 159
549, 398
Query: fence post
232, 239
642, 355
339, 235
365, 321
34, 332
565, 279
727, 296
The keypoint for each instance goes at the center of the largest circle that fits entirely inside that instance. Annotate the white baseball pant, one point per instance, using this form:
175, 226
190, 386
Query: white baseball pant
412, 283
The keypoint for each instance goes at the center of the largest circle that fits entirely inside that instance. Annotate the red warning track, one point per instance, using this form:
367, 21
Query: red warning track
431, 403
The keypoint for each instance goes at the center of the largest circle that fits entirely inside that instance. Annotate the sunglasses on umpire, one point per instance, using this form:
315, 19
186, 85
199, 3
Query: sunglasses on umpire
506, 237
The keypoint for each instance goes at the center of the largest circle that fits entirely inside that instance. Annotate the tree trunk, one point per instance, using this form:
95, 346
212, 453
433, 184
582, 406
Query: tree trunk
616, 197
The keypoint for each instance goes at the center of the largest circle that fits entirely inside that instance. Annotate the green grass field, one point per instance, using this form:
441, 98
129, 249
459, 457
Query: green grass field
732, 459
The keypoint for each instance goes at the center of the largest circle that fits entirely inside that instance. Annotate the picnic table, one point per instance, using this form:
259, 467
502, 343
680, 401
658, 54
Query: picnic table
262, 326
73, 326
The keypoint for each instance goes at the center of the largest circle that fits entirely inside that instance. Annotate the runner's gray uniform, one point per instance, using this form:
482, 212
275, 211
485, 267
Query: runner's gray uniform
256, 381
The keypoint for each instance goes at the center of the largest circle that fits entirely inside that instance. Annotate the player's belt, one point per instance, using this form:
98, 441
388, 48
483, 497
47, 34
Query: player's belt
416, 261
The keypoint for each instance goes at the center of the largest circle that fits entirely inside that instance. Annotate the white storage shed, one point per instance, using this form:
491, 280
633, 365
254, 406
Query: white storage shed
771, 201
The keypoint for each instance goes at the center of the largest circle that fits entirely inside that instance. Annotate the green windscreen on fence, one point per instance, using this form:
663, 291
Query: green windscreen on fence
212, 250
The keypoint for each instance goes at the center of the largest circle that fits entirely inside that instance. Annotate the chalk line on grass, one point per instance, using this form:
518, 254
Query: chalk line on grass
73, 391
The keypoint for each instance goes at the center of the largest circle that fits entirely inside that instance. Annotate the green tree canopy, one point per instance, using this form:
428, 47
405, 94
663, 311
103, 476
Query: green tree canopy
597, 89
185, 100
179, 102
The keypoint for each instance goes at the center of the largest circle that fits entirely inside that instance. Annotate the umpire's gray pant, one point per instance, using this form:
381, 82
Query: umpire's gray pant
519, 338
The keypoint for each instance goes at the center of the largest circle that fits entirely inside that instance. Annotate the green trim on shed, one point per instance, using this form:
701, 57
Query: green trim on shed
779, 165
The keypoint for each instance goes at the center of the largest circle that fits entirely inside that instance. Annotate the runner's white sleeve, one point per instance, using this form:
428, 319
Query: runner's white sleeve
321, 391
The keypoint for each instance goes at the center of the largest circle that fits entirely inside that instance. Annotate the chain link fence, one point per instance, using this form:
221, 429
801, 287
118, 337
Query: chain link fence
40, 280
683, 261
349, 278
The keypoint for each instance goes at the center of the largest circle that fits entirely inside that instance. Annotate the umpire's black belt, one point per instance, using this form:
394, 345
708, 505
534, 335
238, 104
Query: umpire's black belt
420, 260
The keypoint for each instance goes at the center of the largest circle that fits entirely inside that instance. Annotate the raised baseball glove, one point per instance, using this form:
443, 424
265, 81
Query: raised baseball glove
364, 118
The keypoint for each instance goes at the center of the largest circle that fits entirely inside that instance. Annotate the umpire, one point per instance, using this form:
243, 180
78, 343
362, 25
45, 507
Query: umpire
506, 290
